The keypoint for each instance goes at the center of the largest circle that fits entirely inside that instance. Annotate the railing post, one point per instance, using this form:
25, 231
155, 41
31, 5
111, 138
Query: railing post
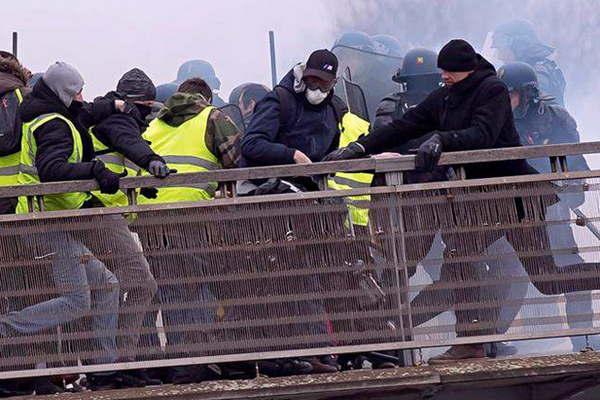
30, 204
563, 163
554, 164
132, 196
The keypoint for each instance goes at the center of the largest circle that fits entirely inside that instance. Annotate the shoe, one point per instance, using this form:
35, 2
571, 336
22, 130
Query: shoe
295, 366
103, 381
318, 367
44, 385
142, 376
384, 365
332, 360
188, 374
459, 353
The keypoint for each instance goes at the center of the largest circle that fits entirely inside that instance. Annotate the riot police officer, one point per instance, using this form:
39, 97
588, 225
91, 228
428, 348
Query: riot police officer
539, 122
517, 41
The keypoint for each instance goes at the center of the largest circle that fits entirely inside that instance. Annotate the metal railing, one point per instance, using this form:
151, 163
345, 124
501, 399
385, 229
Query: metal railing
287, 275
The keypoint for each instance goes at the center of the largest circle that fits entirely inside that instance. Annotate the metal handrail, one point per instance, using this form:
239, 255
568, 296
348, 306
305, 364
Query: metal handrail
403, 163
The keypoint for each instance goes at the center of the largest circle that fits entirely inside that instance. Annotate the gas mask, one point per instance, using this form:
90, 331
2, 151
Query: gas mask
315, 96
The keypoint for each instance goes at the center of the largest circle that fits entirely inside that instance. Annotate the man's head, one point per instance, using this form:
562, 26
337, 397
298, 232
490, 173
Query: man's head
457, 60
136, 86
196, 86
512, 39
11, 65
320, 75
65, 81
198, 69
419, 72
522, 83
250, 95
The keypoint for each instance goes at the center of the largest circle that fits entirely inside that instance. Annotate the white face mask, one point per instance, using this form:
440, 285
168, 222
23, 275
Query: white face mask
315, 97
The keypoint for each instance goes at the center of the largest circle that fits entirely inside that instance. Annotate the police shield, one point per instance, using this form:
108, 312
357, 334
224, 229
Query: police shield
370, 71
355, 98
235, 115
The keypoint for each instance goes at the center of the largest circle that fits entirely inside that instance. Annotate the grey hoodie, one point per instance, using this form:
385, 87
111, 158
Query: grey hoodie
64, 80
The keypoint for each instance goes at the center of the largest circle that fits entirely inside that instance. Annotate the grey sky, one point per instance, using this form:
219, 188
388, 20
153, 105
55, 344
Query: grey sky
105, 38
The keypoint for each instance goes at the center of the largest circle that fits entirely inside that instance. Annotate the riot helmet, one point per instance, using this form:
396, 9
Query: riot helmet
419, 71
521, 78
387, 44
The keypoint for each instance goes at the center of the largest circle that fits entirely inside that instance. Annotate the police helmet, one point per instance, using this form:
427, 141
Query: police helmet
387, 44
519, 76
508, 34
199, 69
357, 40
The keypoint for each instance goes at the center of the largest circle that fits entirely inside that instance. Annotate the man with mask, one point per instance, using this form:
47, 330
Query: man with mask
472, 111
540, 122
517, 41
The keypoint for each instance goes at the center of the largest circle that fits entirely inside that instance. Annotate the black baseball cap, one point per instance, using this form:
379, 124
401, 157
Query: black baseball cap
322, 64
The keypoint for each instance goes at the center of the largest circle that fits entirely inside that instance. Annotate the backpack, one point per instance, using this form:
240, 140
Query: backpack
288, 104
10, 124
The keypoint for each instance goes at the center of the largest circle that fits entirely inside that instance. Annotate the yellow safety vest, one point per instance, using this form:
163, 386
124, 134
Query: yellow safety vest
9, 164
351, 127
183, 148
117, 163
28, 173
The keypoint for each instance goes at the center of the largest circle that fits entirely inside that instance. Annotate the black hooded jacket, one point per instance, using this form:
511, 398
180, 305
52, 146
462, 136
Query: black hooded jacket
122, 132
54, 140
472, 114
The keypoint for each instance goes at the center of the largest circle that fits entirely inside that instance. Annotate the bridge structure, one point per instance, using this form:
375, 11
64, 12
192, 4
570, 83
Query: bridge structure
248, 278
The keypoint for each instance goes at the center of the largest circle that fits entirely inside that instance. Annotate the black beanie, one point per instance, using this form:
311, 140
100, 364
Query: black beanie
457, 56
136, 85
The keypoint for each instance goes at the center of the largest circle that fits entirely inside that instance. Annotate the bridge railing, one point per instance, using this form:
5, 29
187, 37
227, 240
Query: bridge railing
288, 275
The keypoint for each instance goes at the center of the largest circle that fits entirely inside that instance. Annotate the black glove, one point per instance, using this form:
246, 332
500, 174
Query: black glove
107, 180
429, 153
353, 150
149, 193
158, 168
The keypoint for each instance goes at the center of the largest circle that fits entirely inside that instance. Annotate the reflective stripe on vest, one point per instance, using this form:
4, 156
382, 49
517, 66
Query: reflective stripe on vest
115, 162
351, 127
28, 173
183, 148
9, 164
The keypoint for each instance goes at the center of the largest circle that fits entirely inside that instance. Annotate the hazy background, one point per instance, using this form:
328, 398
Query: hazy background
106, 38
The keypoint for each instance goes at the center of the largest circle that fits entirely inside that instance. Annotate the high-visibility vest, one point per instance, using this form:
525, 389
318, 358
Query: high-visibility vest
9, 164
117, 163
28, 173
183, 148
351, 127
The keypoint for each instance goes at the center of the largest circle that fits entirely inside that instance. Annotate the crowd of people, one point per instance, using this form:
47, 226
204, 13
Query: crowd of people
453, 100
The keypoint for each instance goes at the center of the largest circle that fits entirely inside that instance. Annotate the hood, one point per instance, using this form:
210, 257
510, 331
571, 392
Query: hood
136, 85
12, 75
292, 81
64, 80
531, 53
181, 107
42, 100
483, 70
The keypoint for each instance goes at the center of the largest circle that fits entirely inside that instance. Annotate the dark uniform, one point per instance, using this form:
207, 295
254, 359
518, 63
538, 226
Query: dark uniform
538, 123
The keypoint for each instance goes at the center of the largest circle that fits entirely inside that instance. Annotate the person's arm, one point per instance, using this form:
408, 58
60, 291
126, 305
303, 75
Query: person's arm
93, 113
491, 112
568, 133
416, 122
223, 139
259, 144
122, 133
54, 147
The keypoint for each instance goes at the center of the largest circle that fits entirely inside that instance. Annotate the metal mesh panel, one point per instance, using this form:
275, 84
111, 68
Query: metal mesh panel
284, 275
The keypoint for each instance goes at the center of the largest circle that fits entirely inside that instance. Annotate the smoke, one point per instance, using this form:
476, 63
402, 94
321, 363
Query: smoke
571, 26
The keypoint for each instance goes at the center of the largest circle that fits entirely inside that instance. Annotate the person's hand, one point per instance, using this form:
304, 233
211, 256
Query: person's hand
353, 150
149, 192
385, 156
107, 180
120, 105
301, 158
158, 168
429, 153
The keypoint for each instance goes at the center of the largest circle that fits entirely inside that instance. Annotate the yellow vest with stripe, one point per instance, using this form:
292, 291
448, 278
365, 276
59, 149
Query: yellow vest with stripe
351, 127
117, 163
28, 173
9, 164
183, 148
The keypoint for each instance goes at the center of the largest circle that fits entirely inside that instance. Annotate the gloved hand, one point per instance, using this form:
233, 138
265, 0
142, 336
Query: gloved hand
107, 180
149, 193
353, 150
429, 153
158, 168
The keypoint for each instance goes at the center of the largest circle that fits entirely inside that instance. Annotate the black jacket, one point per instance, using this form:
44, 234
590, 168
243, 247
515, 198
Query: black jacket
472, 114
123, 133
54, 140
311, 129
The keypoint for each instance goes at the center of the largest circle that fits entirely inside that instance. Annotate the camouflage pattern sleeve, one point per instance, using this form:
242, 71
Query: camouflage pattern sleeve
223, 139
